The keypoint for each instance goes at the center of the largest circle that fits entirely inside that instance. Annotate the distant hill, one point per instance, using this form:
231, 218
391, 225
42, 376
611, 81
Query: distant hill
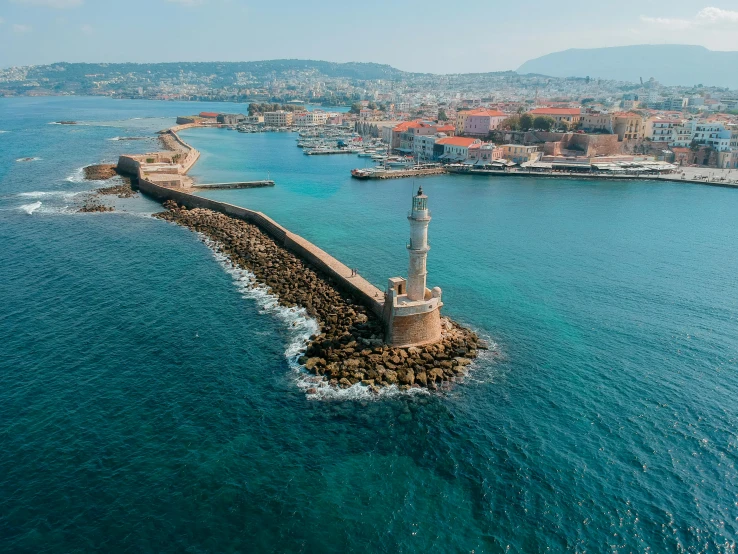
670, 64
206, 80
220, 70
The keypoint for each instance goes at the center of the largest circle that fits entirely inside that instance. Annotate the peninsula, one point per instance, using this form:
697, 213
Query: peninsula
367, 336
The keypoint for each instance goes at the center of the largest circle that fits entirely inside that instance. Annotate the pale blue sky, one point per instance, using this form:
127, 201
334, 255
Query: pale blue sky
431, 35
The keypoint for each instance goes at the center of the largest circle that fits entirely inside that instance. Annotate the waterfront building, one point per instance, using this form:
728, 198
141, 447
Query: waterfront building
454, 149
480, 122
404, 134
414, 129
230, 118
280, 118
310, 119
424, 145
520, 153
484, 153
412, 311
209, 115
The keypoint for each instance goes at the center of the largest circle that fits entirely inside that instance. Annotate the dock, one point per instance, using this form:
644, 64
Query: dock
328, 151
396, 173
238, 185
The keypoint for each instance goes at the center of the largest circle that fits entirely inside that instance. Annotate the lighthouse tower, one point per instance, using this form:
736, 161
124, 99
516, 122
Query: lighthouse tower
419, 218
412, 311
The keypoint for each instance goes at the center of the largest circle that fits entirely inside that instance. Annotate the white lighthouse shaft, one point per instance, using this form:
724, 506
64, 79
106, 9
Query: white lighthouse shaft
418, 248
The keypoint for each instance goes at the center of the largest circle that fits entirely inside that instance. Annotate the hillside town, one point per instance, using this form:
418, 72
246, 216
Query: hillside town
503, 119
547, 135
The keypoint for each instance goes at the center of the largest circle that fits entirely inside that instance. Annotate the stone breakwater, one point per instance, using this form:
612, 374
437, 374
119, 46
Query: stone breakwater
350, 348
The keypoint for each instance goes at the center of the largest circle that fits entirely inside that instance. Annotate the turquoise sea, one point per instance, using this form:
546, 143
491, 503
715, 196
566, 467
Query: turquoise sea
147, 402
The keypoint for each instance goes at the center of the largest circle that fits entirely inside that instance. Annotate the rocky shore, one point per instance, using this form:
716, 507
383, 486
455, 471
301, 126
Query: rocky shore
122, 190
100, 172
103, 172
92, 204
350, 348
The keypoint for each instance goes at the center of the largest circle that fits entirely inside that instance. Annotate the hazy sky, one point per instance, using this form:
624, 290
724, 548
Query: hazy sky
430, 35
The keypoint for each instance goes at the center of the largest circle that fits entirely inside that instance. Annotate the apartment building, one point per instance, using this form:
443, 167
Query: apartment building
280, 118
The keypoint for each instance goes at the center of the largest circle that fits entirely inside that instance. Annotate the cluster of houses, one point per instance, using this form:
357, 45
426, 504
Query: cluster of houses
277, 118
669, 136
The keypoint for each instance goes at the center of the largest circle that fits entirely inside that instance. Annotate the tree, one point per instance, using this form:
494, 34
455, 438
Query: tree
544, 123
442, 115
372, 106
512, 123
526, 122
563, 125
355, 108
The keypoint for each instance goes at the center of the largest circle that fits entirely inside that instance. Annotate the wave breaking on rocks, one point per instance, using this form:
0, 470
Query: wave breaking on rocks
346, 349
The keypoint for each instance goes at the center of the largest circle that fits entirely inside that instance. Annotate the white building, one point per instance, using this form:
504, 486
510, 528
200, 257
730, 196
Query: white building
423, 146
456, 148
660, 130
712, 134
310, 119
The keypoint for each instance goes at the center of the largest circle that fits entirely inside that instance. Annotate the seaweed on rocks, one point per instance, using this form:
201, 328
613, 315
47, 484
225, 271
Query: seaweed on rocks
350, 347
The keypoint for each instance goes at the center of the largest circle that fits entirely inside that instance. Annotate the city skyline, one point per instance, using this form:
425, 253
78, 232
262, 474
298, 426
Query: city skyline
416, 37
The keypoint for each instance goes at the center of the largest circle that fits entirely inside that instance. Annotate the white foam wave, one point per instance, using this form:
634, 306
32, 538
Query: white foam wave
30, 208
1, 132
48, 194
77, 176
300, 325
34, 159
115, 139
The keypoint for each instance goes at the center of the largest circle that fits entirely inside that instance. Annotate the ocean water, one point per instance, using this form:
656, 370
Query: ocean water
148, 403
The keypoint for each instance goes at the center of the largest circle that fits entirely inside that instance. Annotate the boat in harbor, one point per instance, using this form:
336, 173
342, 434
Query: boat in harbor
361, 173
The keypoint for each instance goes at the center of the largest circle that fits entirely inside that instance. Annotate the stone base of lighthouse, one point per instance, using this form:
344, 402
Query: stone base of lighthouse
408, 322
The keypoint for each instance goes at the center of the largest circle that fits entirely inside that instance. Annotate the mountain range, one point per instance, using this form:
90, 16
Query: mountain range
670, 64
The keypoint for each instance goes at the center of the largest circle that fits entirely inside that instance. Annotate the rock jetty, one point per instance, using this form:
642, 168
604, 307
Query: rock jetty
350, 348
122, 190
100, 172
92, 205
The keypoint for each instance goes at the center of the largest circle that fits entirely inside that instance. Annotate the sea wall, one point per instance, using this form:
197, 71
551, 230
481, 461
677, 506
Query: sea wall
369, 295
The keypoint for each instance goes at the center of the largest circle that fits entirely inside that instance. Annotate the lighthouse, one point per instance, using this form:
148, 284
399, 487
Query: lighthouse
412, 311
